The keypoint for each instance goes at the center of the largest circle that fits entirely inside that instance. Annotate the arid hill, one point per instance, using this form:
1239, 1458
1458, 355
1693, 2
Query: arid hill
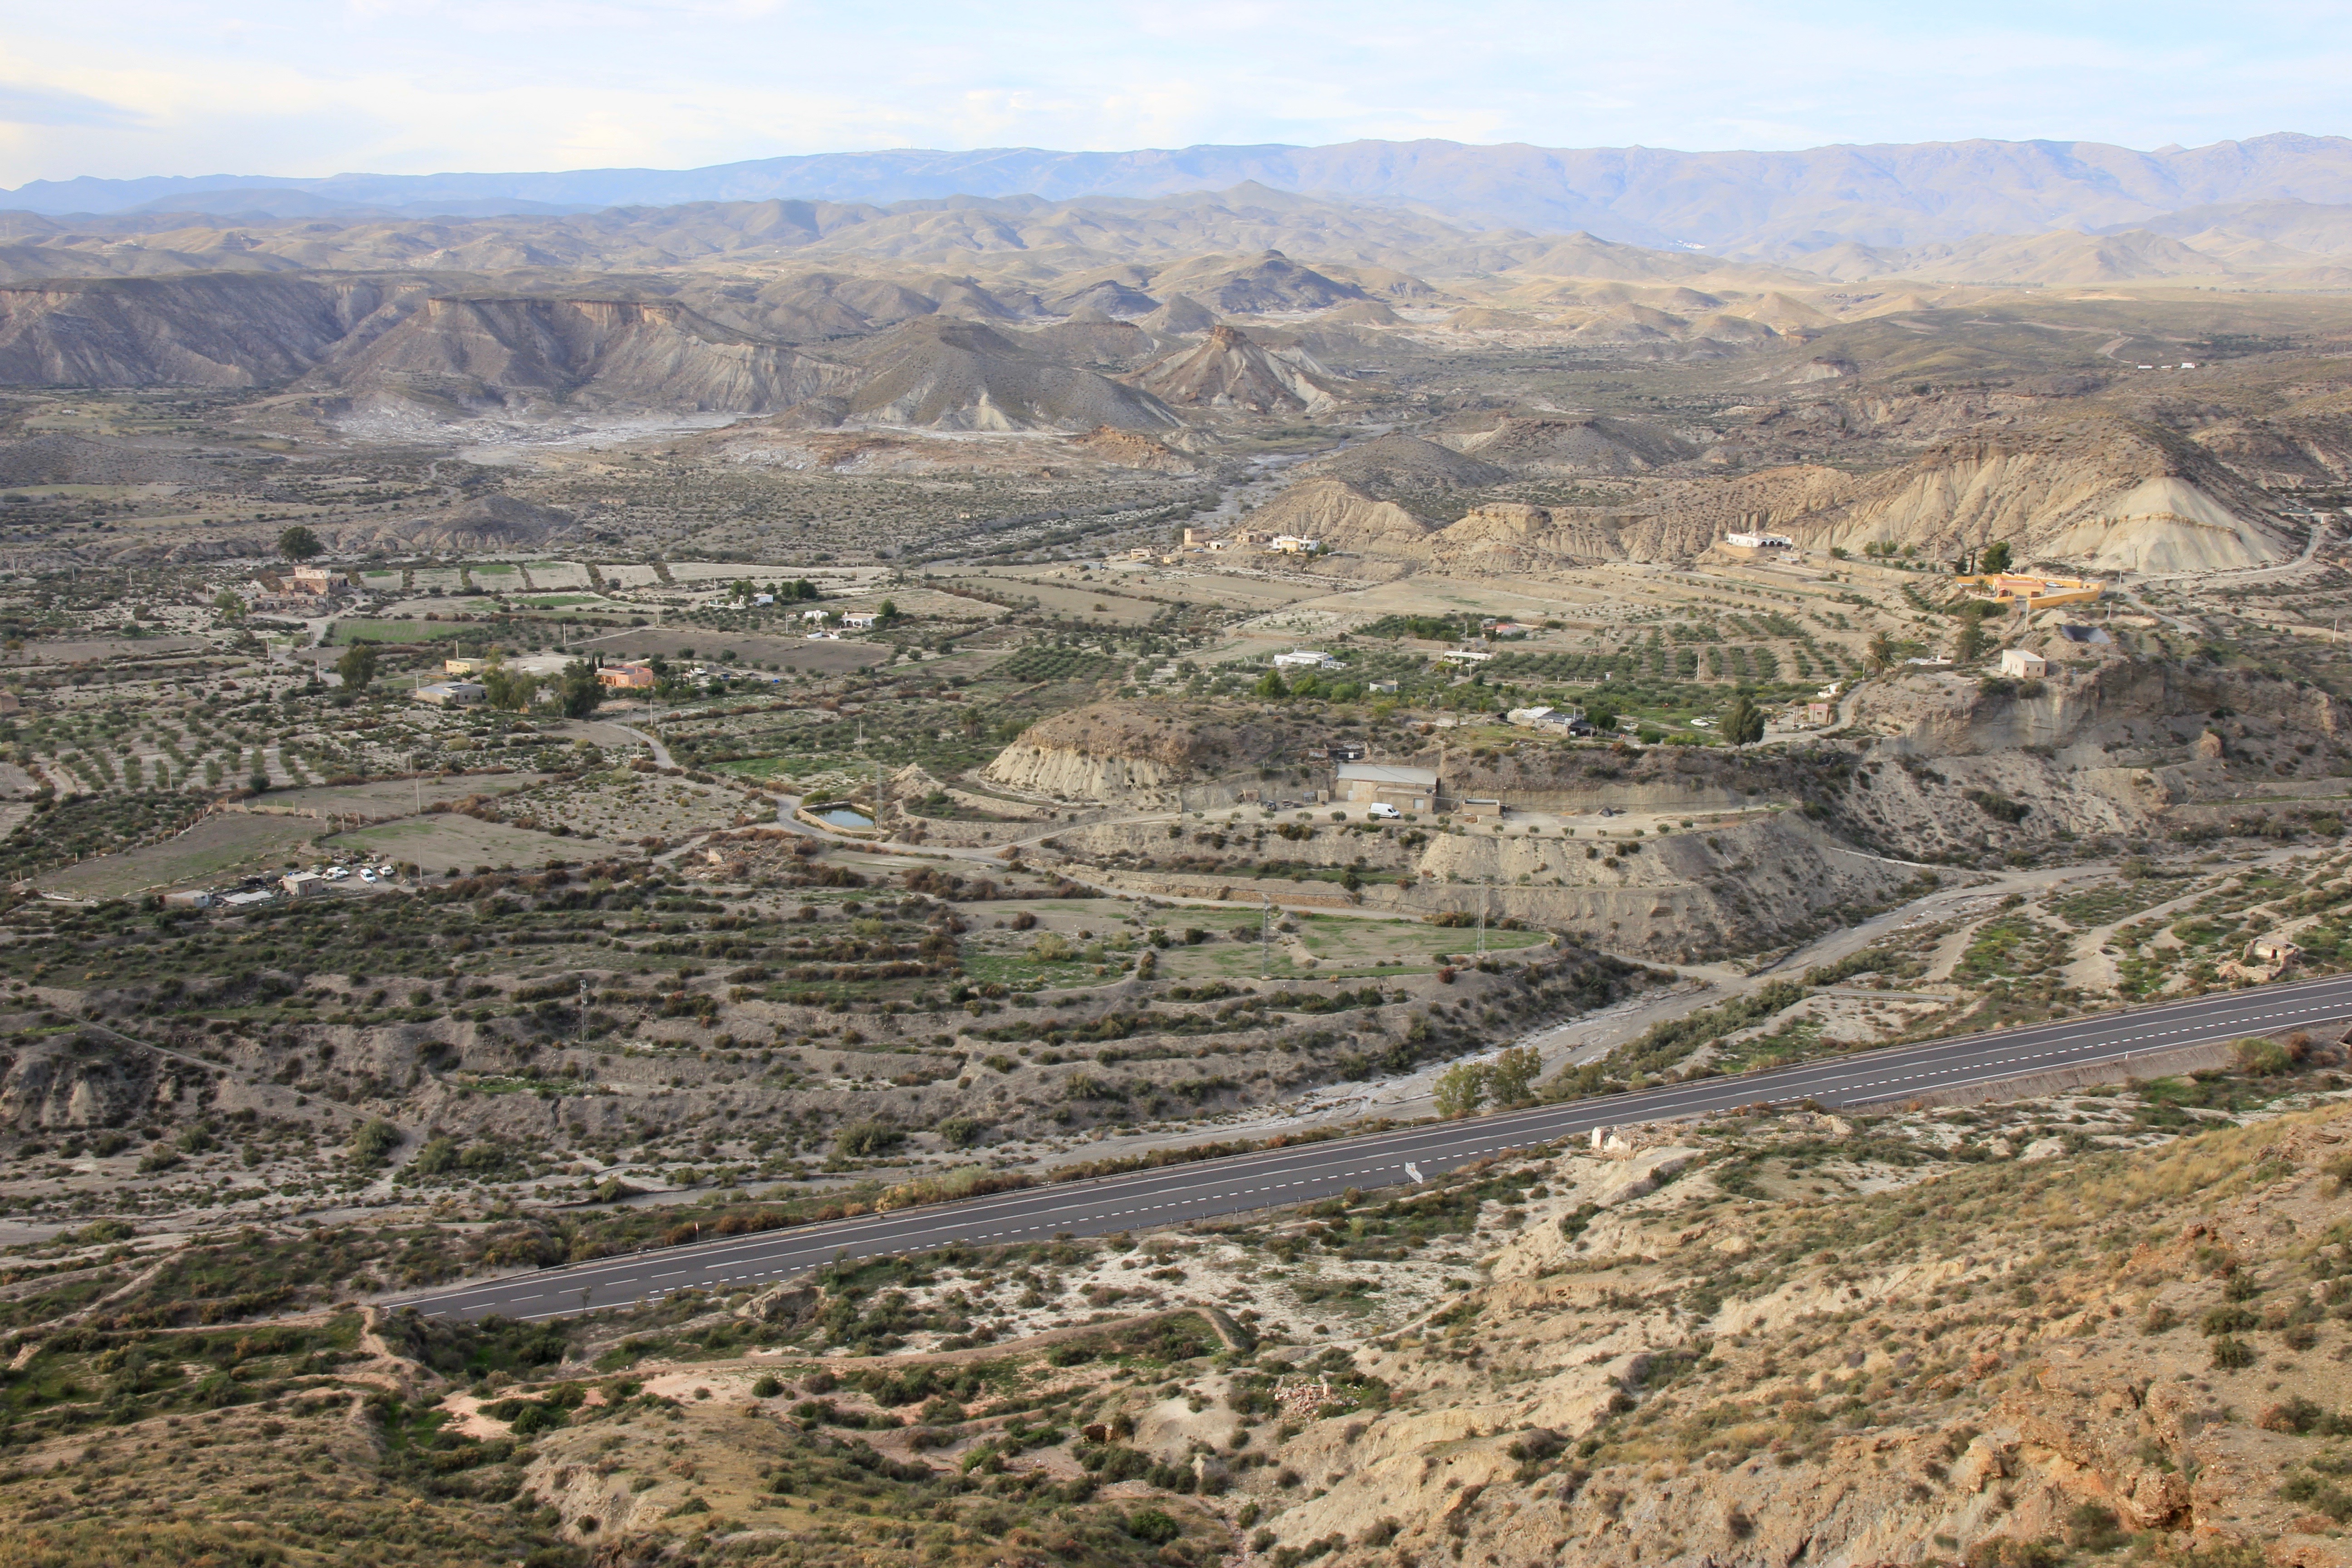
1396, 463
960, 375
2106, 494
1271, 282
625, 353
222, 330
1231, 372
1110, 750
1347, 520
1585, 446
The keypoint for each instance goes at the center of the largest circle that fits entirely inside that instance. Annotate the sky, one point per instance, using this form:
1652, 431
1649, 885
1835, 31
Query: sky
126, 87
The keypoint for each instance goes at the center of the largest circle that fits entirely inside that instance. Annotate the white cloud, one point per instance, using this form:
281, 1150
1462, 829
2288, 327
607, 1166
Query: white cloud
21, 105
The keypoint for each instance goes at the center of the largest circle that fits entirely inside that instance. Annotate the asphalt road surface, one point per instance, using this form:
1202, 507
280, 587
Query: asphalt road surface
1309, 1171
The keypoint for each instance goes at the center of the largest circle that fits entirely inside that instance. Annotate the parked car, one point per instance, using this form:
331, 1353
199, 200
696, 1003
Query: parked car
1382, 813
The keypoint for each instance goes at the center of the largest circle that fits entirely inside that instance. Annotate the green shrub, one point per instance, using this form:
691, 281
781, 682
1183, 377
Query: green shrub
863, 1140
1153, 1525
535, 1418
2226, 1320
372, 1142
2260, 1058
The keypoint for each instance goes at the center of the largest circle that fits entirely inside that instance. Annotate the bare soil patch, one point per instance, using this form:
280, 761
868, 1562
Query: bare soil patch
824, 657
223, 845
443, 840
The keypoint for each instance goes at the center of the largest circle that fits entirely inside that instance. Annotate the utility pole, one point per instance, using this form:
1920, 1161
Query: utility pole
1264, 937
1484, 890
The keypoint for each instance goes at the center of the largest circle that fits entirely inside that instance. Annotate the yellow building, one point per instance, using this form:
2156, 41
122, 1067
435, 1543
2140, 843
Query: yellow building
2035, 593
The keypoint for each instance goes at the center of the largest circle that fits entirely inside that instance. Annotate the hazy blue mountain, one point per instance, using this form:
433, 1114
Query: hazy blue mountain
1777, 204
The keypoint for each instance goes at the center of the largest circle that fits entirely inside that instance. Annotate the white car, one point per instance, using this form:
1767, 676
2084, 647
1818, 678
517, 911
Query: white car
367, 873
1381, 813
335, 873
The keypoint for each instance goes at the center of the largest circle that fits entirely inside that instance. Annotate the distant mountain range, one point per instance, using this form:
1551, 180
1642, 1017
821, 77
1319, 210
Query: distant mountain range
1748, 205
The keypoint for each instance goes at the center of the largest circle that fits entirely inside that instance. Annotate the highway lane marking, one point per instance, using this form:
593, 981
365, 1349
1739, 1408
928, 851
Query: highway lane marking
2065, 1039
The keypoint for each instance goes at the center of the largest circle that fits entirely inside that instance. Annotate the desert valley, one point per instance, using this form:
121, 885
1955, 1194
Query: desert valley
543, 731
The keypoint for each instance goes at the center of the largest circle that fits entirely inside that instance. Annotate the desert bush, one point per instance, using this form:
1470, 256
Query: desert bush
863, 1140
2232, 1355
2259, 1058
372, 1142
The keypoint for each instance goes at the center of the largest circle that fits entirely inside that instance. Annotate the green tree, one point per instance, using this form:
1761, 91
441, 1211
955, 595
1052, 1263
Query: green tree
578, 691
357, 667
887, 611
1879, 656
804, 589
230, 607
1270, 685
1462, 1089
1743, 722
1970, 644
299, 543
1514, 1074
512, 690
1995, 557
1601, 714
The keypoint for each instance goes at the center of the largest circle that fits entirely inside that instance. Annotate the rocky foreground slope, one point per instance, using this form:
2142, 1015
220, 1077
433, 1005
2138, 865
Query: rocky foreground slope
2001, 1363
2111, 1325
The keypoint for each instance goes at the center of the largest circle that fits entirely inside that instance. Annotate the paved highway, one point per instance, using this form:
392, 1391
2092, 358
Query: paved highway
1314, 1171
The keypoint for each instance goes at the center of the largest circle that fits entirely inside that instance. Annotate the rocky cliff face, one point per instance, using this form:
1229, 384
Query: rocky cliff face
616, 353
224, 330
1126, 751
2117, 745
77, 1082
2106, 494
1346, 519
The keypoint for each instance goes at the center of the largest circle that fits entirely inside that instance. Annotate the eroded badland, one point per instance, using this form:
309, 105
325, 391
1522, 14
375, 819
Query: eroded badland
532, 740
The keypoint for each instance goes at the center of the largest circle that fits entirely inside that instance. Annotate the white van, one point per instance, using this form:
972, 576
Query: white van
1381, 813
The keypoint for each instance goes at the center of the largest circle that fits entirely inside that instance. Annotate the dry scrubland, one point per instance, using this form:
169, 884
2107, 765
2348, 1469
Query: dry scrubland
612, 997
2105, 1325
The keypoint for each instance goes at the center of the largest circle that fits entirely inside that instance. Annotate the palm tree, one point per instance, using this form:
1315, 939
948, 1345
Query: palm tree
1879, 656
